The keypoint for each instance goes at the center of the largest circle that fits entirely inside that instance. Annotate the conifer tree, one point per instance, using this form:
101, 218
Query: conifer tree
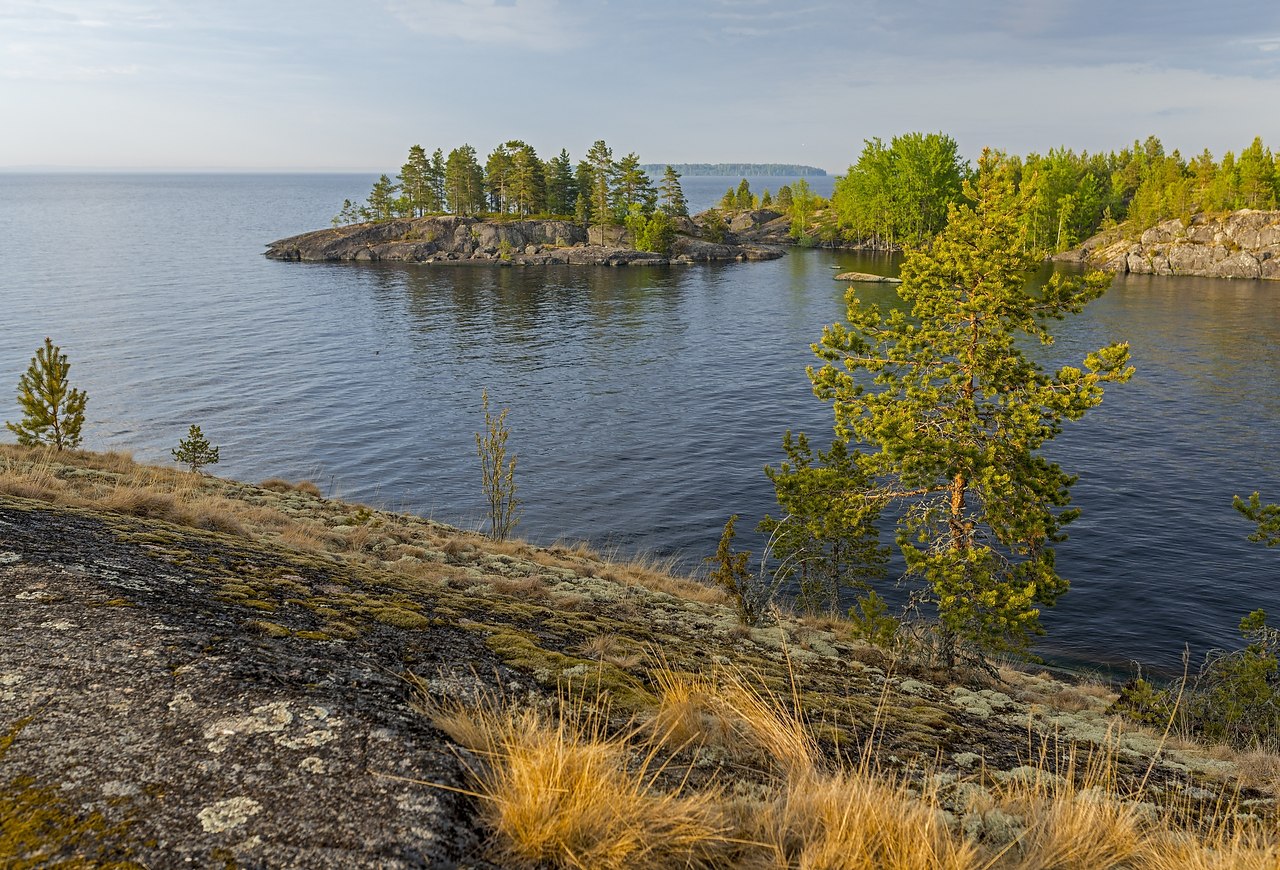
826, 542
948, 416
381, 205
562, 191
52, 411
1266, 516
743, 200
600, 162
714, 227
673, 202
195, 450
414, 181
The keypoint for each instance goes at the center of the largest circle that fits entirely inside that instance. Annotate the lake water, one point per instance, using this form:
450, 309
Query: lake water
644, 402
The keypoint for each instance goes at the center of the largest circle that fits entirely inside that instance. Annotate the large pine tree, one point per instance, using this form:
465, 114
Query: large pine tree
948, 415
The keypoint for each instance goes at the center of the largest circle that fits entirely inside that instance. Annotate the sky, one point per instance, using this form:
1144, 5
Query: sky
322, 85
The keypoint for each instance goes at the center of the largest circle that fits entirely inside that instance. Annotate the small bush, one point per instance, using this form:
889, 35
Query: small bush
752, 595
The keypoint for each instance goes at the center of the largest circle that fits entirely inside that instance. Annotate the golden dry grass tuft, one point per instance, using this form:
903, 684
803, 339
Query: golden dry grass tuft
562, 791
855, 820
279, 484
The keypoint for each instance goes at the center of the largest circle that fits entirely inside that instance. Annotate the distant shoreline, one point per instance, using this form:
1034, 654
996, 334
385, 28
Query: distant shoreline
738, 170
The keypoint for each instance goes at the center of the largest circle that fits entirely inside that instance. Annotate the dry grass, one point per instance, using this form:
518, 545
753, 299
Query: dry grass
566, 791
531, 588
854, 820
562, 791
1259, 769
279, 484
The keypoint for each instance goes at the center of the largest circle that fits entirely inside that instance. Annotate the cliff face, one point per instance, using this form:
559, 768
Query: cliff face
1243, 244
455, 239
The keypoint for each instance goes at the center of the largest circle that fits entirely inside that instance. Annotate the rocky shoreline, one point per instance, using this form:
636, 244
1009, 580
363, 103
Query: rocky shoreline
1242, 244
466, 240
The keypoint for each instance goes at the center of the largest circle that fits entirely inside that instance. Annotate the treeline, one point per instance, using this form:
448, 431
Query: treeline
514, 181
747, 169
897, 194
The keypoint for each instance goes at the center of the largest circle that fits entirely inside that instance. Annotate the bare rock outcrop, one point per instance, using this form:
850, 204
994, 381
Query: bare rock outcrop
455, 239
1242, 244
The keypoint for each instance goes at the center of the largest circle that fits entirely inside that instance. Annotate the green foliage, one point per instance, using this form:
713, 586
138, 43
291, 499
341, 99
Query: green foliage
632, 189
871, 621
562, 188
195, 451
714, 227
600, 174
52, 411
655, 233
954, 416
497, 472
1267, 518
783, 200
672, 195
381, 205
750, 593
516, 179
743, 199
899, 194
464, 181
826, 542
1234, 699
803, 204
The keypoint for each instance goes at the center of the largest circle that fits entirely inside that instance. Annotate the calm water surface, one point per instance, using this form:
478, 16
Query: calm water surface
644, 403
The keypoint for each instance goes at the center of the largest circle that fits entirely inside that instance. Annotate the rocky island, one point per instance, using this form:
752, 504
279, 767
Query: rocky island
460, 239
1239, 244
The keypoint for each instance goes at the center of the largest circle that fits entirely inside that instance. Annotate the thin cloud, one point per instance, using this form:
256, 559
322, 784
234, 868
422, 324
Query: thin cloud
540, 25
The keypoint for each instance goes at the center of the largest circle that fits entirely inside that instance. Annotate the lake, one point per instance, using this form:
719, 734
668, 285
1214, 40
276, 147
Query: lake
644, 402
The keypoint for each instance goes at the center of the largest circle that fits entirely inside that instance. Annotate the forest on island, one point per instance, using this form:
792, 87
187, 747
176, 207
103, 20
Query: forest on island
897, 194
514, 182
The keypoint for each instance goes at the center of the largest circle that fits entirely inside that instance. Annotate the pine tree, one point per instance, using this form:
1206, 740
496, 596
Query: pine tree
1266, 516
673, 202
497, 174
381, 203
632, 187
195, 450
714, 227
528, 193
953, 415
600, 162
743, 200
464, 181
414, 181
562, 192
52, 411
826, 542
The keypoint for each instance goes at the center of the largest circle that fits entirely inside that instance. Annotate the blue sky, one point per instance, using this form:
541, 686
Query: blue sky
326, 85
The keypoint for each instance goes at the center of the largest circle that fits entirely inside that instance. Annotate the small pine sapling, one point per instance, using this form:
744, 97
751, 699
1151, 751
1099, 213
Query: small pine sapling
753, 595
52, 412
195, 450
